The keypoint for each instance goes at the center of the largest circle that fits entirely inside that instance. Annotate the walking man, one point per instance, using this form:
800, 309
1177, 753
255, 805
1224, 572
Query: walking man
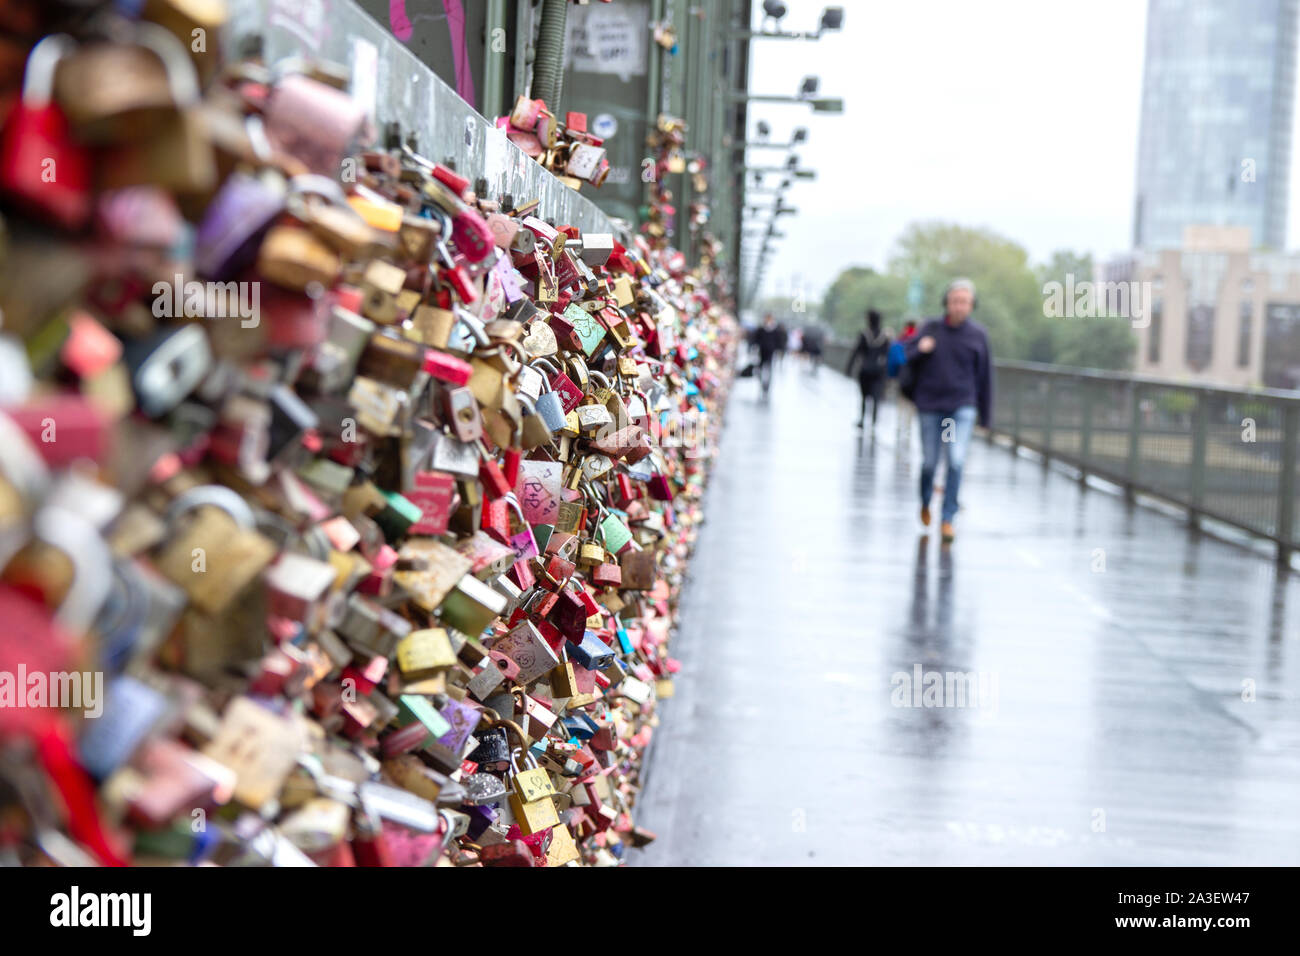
770, 339
953, 367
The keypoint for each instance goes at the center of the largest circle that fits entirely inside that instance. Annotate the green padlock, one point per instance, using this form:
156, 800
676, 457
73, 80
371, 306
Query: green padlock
614, 533
586, 326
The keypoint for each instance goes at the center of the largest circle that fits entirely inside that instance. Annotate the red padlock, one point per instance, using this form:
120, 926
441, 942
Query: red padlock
42, 168
522, 574
559, 568
432, 494
493, 479
452, 180
496, 519
64, 428
447, 368
568, 391
472, 235
460, 283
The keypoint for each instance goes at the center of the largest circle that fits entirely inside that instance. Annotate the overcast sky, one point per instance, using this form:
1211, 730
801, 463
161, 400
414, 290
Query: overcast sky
1016, 115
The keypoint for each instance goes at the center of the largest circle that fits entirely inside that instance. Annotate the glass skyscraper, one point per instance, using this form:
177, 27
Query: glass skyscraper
1215, 143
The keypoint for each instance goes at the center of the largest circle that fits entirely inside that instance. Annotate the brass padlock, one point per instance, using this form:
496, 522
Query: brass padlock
432, 326
533, 428
424, 653
380, 287
178, 154
215, 553
122, 92
532, 785
292, 256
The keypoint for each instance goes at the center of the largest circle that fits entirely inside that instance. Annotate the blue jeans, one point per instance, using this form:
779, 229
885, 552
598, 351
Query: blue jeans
952, 432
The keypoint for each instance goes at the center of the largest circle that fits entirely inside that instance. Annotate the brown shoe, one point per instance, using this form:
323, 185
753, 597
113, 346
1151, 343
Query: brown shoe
945, 530
925, 516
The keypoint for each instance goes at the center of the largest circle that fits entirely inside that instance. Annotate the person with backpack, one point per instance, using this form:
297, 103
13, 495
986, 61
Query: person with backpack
872, 350
950, 363
897, 364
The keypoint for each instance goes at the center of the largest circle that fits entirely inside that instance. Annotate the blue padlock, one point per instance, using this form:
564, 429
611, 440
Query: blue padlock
593, 653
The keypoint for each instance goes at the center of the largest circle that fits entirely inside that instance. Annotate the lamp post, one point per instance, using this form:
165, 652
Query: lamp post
774, 11
822, 104
832, 19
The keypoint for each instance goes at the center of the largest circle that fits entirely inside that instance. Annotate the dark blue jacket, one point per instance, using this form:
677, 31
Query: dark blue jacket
958, 372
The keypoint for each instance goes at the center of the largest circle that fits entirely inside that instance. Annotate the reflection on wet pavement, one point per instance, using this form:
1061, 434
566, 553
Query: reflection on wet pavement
1075, 681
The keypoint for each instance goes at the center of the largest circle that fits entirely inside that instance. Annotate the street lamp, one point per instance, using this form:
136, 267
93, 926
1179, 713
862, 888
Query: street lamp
832, 19
823, 104
807, 94
800, 136
786, 170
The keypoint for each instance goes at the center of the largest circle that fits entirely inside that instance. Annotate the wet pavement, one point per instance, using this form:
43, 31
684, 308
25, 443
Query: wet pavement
1097, 684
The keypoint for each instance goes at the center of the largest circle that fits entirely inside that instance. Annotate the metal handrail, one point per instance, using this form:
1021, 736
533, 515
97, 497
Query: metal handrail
1272, 394
1189, 449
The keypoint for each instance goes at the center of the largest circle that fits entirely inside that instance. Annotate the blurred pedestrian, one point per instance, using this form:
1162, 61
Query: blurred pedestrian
769, 338
812, 346
783, 337
905, 407
952, 362
872, 351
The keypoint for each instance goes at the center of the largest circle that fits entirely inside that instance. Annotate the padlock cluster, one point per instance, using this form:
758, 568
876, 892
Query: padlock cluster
666, 141
566, 149
366, 497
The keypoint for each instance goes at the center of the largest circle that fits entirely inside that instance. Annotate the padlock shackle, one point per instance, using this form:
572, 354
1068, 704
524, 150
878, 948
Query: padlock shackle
475, 325
182, 77
92, 564
314, 184
526, 754
20, 463
512, 502
445, 227
417, 158
42, 63
260, 143
589, 490
218, 496
496, 720
445, 815
520, 355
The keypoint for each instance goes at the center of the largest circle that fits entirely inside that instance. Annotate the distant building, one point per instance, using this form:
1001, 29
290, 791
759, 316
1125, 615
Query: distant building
1221, 311
1217, 99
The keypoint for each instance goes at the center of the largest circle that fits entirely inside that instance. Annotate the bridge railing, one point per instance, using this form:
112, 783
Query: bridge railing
1223, 453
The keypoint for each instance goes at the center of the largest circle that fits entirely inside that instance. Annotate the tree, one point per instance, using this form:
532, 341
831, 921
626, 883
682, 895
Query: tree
1105, 343
1010, 295
858, 289
1007, 289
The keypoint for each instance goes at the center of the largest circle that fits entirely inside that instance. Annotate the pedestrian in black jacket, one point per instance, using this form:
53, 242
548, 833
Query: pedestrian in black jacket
953, 368
872, 351
770, 339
